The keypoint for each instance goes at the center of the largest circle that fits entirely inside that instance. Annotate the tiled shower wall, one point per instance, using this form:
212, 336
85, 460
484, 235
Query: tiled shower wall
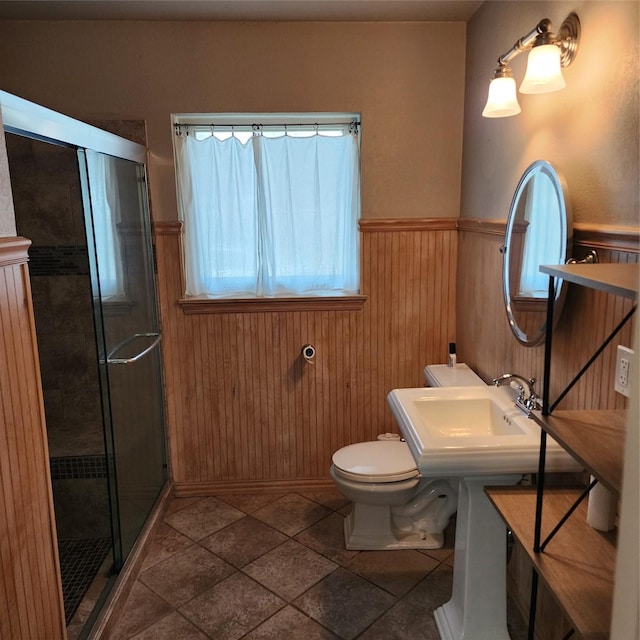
48, 206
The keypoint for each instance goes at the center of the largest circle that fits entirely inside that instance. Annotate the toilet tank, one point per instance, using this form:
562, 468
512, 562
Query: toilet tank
442, 375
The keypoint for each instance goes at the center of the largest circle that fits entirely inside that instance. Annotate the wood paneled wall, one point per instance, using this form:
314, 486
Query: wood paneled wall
486, 343
30, 590
244, 410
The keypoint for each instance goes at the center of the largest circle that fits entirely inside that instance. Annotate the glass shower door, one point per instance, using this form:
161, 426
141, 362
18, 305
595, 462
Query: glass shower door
128, 337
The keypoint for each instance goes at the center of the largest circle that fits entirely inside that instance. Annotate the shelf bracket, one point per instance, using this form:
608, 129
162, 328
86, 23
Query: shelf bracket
591, 360
567, 515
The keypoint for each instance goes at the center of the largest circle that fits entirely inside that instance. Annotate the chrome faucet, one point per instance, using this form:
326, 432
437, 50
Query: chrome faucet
526, 401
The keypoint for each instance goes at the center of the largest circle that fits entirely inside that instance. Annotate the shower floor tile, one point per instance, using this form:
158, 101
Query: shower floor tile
80, 560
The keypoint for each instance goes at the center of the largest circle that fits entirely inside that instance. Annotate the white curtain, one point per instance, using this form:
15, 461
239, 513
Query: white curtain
105, 209
273, 216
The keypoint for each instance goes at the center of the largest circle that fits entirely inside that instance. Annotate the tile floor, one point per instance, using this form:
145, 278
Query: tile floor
263, 567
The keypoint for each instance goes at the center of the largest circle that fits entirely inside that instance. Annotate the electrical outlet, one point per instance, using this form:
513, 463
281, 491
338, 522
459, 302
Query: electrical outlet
624, 358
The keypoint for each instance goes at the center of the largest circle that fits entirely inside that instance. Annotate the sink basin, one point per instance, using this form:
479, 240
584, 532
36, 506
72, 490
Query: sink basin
464, 418
466, 431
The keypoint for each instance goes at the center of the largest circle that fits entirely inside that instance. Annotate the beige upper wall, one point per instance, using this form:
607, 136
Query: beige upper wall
7, 216
589, 130
407, 80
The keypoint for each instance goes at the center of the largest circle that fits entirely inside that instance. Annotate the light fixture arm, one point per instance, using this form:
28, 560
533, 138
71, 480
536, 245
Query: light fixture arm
526, 42
567, 39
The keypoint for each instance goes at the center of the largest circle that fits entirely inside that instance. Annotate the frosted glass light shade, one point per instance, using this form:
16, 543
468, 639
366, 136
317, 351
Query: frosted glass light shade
502, 100
544, 73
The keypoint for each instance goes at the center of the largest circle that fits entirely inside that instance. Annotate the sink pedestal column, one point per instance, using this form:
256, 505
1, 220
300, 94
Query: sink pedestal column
478, 606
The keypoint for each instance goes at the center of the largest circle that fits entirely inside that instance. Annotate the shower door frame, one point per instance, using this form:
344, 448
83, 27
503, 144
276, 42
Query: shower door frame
124, 456
25, 118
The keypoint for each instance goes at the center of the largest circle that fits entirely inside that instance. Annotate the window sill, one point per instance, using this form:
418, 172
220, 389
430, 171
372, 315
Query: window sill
254, 305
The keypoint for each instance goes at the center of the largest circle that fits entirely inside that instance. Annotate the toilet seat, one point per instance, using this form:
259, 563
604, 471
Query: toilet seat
375, 462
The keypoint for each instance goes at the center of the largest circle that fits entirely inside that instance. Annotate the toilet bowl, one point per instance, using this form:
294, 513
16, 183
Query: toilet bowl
394, 507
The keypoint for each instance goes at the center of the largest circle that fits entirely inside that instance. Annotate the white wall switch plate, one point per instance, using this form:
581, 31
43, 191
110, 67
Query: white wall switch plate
624, 370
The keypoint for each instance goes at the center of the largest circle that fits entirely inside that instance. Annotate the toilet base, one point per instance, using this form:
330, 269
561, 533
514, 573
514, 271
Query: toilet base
377, 534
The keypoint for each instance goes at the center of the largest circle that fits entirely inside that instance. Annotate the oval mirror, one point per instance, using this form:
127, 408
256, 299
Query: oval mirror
538, 232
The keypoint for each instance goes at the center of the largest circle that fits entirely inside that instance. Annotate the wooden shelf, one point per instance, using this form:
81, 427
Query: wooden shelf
594, 438
615, 278
578, 565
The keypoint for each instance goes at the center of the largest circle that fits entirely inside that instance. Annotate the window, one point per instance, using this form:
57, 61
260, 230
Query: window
270, 203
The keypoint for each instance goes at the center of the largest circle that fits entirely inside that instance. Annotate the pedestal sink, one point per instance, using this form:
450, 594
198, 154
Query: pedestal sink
470, 431
478, 435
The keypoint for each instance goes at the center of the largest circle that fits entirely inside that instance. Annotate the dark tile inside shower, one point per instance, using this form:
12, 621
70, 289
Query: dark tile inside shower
80, 497
80, 560
45, 183
48, 205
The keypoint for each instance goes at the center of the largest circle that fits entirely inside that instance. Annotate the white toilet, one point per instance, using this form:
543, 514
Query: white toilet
394, 507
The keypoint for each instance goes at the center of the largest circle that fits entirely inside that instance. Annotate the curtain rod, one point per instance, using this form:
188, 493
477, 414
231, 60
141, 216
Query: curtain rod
257, 127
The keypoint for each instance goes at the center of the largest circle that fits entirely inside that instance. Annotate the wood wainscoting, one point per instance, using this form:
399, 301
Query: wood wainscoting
244, 410
484, 338
30, 590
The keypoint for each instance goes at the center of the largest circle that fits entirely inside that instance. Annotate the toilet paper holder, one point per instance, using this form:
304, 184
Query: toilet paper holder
308, 352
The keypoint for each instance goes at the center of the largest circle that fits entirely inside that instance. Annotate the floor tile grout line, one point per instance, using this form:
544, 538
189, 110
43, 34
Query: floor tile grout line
248, 513
280, 597
384, 613
279, 497
275, 613
325, 553
293, 537
186, 506
284, 605
154, 621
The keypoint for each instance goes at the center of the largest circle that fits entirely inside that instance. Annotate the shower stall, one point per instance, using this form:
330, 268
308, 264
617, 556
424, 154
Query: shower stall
80, 196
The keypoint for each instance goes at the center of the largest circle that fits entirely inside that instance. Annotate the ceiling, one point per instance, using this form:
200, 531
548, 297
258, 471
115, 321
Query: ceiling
242, 10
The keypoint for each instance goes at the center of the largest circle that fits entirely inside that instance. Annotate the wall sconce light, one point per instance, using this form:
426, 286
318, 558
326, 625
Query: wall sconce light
548, 53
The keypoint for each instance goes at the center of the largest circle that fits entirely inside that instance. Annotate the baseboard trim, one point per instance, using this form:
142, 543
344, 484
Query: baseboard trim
112, 609
199, 489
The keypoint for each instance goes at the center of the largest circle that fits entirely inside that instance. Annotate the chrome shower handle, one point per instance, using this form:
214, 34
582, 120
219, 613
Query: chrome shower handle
111, 360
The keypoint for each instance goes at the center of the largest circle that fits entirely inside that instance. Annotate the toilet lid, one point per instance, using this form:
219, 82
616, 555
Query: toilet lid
376, 461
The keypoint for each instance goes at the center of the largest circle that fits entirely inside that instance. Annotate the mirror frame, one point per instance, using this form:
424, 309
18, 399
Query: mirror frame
530, 338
